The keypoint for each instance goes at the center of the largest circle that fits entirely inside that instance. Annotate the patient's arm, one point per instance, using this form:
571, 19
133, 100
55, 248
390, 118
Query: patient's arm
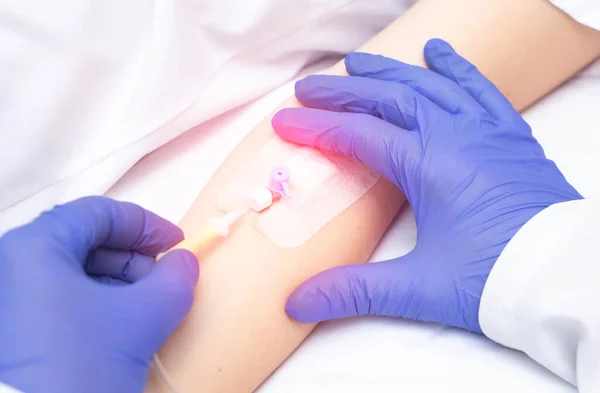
526, 47
238, 332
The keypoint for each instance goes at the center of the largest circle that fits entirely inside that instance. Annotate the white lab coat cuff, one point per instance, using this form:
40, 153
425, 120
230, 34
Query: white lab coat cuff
7, 389
586, 12
542, 276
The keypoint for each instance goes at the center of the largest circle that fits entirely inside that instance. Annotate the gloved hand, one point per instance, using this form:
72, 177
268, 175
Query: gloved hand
63, 331
466, 160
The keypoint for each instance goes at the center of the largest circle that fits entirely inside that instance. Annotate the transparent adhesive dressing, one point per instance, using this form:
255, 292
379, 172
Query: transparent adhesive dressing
322, 185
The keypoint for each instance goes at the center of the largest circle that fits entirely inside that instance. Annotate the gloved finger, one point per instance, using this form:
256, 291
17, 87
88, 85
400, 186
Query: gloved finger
165, 295
127, 266
392, 102
442, 91
442, 58
92, 222
108, 280
377, 143
381, 288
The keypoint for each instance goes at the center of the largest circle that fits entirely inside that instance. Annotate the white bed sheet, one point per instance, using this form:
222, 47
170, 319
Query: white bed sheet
371, 354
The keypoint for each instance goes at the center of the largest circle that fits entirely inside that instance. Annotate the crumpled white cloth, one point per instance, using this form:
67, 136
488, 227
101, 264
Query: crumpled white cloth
88, 87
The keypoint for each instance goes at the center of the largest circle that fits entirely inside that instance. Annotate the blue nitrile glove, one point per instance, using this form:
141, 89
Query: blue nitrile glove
63, 331
466, 160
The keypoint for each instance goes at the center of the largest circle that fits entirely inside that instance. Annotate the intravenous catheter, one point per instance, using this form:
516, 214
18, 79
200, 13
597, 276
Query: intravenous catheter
259, 200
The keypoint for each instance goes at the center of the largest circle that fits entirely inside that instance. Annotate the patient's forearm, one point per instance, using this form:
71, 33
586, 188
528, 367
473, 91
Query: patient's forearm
526, 47
238, 332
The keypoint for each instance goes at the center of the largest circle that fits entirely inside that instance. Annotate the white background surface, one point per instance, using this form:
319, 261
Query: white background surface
381, 355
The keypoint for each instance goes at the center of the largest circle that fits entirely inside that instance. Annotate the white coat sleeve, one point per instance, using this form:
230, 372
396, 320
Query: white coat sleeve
543, 295
7, 389
586, 12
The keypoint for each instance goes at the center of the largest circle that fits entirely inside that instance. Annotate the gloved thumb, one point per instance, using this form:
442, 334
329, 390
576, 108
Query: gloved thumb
166, 294
382, 288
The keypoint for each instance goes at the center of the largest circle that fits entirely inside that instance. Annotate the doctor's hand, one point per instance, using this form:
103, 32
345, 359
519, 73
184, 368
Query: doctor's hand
68, 321
466, 160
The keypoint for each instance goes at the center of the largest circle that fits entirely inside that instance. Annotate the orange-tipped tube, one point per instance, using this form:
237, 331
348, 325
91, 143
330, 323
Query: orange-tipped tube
217, 227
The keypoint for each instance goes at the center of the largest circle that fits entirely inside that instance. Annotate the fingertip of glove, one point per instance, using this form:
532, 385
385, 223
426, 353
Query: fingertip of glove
285, 122
367, 64
291, 310
168, 235
189, 263
176, 234
437, 45
295, 308
354, 59
310, 84
308, 304
302, 85
279, 119
294, 124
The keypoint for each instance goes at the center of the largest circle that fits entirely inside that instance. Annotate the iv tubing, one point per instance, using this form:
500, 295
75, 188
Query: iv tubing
164, 375
218, 227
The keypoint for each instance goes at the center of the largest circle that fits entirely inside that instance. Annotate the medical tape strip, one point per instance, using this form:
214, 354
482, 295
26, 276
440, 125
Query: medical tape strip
323, 184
